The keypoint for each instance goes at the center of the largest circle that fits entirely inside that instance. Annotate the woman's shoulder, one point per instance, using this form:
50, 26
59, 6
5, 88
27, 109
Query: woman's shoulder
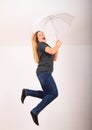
43, 44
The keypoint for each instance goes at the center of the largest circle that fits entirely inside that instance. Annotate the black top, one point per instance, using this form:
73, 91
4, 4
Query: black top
45, 59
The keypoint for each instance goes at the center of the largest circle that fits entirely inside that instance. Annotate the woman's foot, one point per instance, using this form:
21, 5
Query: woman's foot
35, 118
23, 95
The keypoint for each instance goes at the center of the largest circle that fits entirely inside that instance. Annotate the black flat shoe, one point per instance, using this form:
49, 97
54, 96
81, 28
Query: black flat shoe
35, 118
23, 95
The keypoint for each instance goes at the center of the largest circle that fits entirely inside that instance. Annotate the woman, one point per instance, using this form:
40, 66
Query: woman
44, 55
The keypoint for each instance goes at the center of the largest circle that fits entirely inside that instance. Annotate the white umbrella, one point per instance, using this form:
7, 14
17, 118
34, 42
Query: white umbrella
55, 25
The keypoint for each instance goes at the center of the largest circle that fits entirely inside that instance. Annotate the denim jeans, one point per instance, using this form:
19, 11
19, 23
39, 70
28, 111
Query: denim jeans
48, 93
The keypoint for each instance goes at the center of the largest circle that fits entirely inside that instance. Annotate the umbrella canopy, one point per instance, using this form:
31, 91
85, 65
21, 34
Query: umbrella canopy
54, 26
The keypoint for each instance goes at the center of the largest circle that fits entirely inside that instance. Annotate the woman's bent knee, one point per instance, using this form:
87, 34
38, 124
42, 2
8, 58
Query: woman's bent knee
55, 94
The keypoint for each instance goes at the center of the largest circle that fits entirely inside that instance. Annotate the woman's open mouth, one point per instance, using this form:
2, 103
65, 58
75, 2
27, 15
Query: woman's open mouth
44, 38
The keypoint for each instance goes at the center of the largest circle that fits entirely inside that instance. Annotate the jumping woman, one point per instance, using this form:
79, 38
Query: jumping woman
44, 56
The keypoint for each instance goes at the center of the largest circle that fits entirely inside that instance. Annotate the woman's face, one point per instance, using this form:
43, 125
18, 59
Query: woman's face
41, 37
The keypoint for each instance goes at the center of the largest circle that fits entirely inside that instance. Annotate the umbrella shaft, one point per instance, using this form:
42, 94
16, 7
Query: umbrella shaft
54, 28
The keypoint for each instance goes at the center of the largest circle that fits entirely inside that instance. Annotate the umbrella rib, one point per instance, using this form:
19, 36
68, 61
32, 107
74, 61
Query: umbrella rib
68, 20
44, 25
54, 27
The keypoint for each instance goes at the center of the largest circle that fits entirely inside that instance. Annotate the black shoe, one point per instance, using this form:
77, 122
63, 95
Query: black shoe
35, 118
23, 95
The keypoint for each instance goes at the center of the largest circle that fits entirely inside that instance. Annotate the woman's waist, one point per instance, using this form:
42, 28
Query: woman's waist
44, 68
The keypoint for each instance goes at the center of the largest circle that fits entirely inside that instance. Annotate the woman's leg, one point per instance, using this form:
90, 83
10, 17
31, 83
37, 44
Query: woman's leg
50, 91
34, 93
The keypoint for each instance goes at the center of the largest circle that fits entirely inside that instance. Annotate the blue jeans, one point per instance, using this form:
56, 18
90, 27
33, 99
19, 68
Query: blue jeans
48, 94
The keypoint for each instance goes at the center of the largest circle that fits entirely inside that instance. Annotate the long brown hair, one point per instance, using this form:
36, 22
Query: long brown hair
34, 45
